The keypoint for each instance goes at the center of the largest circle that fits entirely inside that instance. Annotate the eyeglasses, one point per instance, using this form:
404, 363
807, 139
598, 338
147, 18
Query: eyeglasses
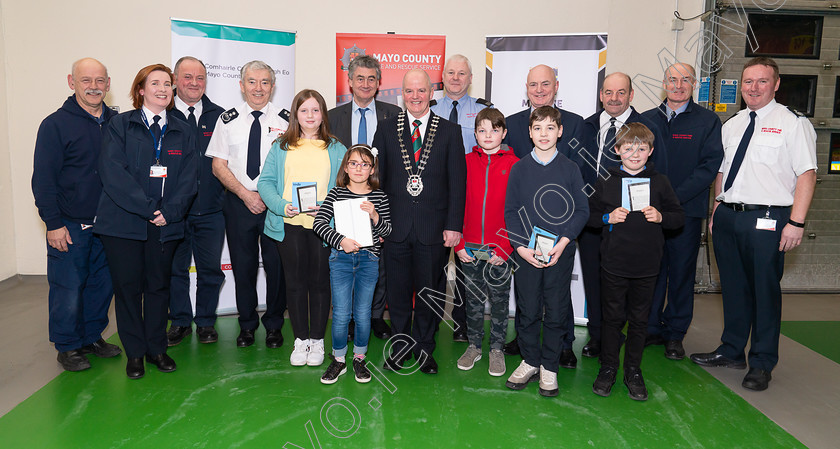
354, 164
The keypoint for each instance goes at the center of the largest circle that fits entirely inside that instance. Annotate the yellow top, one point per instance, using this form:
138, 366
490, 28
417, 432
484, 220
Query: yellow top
308, 161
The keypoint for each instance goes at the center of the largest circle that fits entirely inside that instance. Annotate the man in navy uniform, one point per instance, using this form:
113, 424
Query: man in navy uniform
762, 194
355, 122
239, 146
692, 137
595, 156
423, 172
67, 187
461, 109
204, 233
541, 87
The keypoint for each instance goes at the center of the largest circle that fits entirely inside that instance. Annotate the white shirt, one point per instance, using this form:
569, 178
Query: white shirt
424, 123
184, 107
230, 140
150, 117
783, 146
604, 121
356, 118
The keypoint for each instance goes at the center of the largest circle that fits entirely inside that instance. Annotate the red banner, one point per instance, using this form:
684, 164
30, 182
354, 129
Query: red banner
397, 54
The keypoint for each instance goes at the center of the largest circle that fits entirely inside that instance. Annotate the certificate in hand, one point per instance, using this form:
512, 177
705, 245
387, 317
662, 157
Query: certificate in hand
305, 196
635, 193
542, 241
352, 222
479, 252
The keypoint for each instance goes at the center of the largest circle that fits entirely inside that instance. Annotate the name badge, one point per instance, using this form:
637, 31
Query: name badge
157, 171
765, 224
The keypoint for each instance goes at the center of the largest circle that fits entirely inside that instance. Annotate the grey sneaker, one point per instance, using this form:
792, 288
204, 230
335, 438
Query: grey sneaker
548, 383
522, 375
497, 363
471, 355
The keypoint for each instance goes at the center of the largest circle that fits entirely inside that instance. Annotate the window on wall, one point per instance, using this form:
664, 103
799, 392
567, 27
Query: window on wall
834, 154
837, 98
785, 36
798, 92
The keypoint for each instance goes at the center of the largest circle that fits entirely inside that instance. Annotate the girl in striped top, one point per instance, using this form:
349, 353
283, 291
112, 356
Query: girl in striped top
353, 269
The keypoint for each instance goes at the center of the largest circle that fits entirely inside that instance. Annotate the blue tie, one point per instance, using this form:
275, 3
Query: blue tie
252, 168
739, 155
363, 126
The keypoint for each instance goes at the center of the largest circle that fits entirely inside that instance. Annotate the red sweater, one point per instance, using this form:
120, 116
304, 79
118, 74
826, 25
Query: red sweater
484, 213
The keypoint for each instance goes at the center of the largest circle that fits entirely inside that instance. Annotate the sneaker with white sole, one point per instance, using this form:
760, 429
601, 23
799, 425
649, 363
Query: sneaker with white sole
334, 371
316, 353
548, 383
497, 363
471, 355
300, 353
522, 376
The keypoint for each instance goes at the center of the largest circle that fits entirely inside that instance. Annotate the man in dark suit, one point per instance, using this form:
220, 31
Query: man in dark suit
594, 157
541, 86
355, 122
423, 172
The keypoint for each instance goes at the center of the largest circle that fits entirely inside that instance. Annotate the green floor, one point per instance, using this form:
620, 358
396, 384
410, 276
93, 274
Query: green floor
225, 397
819, 336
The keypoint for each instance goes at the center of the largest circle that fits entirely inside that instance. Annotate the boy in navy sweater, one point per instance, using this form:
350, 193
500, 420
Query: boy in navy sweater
632, 205
545, 191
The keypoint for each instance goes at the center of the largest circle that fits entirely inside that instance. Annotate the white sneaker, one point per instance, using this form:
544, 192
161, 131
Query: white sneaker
522, 376
316, 352
548, 383
497, 363
300, 353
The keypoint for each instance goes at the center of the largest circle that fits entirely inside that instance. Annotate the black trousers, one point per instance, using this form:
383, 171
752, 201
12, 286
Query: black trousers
412, 267
624, 300
307, 269
141, 271
751, 268
544, 303
380, 294
246, 241
590, 266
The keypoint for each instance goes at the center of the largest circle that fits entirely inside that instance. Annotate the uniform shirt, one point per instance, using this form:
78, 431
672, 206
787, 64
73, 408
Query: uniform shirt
230, 140
783, 146
356, 117
185, 108
468, 108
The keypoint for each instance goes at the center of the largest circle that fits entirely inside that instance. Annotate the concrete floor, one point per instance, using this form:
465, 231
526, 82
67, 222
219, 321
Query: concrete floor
803, 398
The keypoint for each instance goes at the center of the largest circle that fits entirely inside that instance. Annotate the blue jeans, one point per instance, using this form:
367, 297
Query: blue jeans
353, 280
80, 290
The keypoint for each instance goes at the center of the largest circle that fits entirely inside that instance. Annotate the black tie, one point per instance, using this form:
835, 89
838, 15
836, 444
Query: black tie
191, 118
453, 116
739, 155
156, 184
673, 114
253, 166
609, 159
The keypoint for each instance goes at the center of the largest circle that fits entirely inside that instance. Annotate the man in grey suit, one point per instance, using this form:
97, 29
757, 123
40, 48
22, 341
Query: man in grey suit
354, 123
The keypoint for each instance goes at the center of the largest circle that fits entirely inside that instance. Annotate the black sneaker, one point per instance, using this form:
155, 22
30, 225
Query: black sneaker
361, 371
333, 372
73, 360
605, 381
635, 384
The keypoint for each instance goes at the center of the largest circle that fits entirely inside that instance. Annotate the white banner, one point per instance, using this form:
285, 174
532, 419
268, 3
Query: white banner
579, 62
224, 49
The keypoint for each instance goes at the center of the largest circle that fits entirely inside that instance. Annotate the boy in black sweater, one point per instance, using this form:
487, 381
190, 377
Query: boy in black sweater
633, 205
545, 190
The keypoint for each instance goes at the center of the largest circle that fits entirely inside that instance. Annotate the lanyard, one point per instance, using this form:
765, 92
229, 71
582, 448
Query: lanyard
160, 141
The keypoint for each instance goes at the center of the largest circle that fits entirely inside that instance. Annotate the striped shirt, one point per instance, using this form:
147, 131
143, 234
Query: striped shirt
324, 225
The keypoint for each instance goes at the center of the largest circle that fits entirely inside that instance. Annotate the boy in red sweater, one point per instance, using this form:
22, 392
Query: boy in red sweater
485, 248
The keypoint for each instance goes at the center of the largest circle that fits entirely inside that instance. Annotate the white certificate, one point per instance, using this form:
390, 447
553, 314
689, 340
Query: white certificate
639, 195
352, 222
307, 197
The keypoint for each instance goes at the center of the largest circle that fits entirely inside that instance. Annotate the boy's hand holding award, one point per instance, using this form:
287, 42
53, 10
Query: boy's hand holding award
652, 215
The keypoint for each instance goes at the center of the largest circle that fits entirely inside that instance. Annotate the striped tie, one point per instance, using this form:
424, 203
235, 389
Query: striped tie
416, 140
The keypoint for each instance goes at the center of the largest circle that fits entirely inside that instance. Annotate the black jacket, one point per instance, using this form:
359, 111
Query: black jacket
633, 249
65, 178
341, 119
126, 204
210, 189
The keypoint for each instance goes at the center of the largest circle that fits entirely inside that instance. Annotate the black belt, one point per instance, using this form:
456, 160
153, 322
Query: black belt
740, 207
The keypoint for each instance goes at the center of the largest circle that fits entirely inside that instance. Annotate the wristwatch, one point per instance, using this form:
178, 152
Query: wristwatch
606, 218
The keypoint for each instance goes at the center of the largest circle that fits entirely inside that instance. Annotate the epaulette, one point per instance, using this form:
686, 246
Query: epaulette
795, 112
285, 115
484, 102
433, 102
229, 115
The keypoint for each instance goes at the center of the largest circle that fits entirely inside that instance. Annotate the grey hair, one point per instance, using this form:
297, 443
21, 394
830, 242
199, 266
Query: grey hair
459, 57
256, 65
365, 62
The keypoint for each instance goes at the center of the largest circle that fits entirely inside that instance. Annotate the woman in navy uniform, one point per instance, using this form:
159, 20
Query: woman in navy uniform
148, 168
